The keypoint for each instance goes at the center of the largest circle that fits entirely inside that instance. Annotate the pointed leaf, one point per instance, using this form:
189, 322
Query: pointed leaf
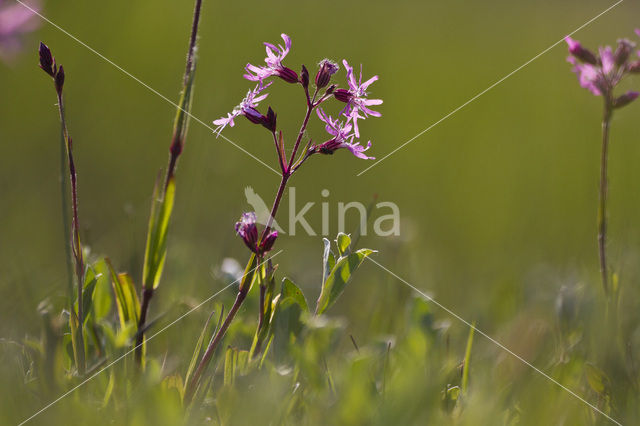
343, 241
339, 277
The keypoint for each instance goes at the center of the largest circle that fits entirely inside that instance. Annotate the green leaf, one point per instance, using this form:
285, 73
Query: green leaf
339, 278
197, 349
90, 281
343, 241
290, 293
156, 249
467, 359
328, 260
235, 364
102, 298
597, 379
126, 298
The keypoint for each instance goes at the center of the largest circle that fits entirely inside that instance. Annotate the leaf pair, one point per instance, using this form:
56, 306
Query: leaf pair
338, 272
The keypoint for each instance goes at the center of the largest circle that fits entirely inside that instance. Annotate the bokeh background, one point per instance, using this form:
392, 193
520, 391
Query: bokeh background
498, 202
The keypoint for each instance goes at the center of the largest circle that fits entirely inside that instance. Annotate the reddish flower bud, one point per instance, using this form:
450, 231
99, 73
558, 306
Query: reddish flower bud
59, 80
581, 53
269, 120
626, 99
304, 77
288, 75
47, 63
325, 71
342, 95
634, 67
267, 243
623, 51
248, 231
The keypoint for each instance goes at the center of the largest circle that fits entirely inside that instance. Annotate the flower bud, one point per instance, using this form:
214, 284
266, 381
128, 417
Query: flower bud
253, 115
269, 120
342, 95
267, 243
59, 80
247, 230
288, 75
47, 63
626, 99
304, 77
634, 67
623, 51
585, 55
331, 89
325, 71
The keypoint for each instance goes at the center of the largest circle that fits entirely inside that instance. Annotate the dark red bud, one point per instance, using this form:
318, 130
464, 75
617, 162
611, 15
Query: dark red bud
304, 77
269, 121
267, 243
634, 67
59, 80
623, 51
288, 75
626, 99
342, 95
46, 59
325, 71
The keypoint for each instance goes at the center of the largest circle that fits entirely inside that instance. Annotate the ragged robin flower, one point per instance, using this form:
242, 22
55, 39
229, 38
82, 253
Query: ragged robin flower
342, 137
275, 55
247, 108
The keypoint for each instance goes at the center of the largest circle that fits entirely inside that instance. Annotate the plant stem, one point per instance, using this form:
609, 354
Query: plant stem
177, 144
192, 385
76, 248
602, 209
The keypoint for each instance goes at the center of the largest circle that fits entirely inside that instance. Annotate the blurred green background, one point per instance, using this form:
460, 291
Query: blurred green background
498, 203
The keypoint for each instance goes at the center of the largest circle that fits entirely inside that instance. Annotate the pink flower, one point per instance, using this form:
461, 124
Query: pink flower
15, 21
247, 230
356, 99
342, 137
274, 67
247, 108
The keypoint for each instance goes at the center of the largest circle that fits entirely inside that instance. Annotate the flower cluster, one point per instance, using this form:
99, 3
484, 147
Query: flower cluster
343, 131
15, 21
600, 73
247, 230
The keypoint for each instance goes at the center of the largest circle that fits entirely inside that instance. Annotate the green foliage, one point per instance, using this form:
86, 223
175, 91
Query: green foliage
340, 273
158, 229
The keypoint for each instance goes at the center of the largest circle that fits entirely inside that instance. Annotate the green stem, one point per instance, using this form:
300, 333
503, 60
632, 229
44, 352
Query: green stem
602, 209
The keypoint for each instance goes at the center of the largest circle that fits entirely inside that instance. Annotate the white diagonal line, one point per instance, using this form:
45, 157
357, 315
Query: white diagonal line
497, 343
70, 391
151, 89
488, 88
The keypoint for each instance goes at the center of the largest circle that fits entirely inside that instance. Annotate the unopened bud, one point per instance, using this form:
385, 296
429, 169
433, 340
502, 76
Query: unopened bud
46, 59
326, 69
267, 244
269, 120
304, 77
342, 95
585, 55
623, 51
59, 79
634, 67
626, 99
288, 75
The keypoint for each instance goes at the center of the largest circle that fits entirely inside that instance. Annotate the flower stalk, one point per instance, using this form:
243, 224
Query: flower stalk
356, 101
49, 65
602, 208
156, 250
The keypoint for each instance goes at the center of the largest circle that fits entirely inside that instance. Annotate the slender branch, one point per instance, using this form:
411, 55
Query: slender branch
303, 127
177, 144
76, 248
602, 209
